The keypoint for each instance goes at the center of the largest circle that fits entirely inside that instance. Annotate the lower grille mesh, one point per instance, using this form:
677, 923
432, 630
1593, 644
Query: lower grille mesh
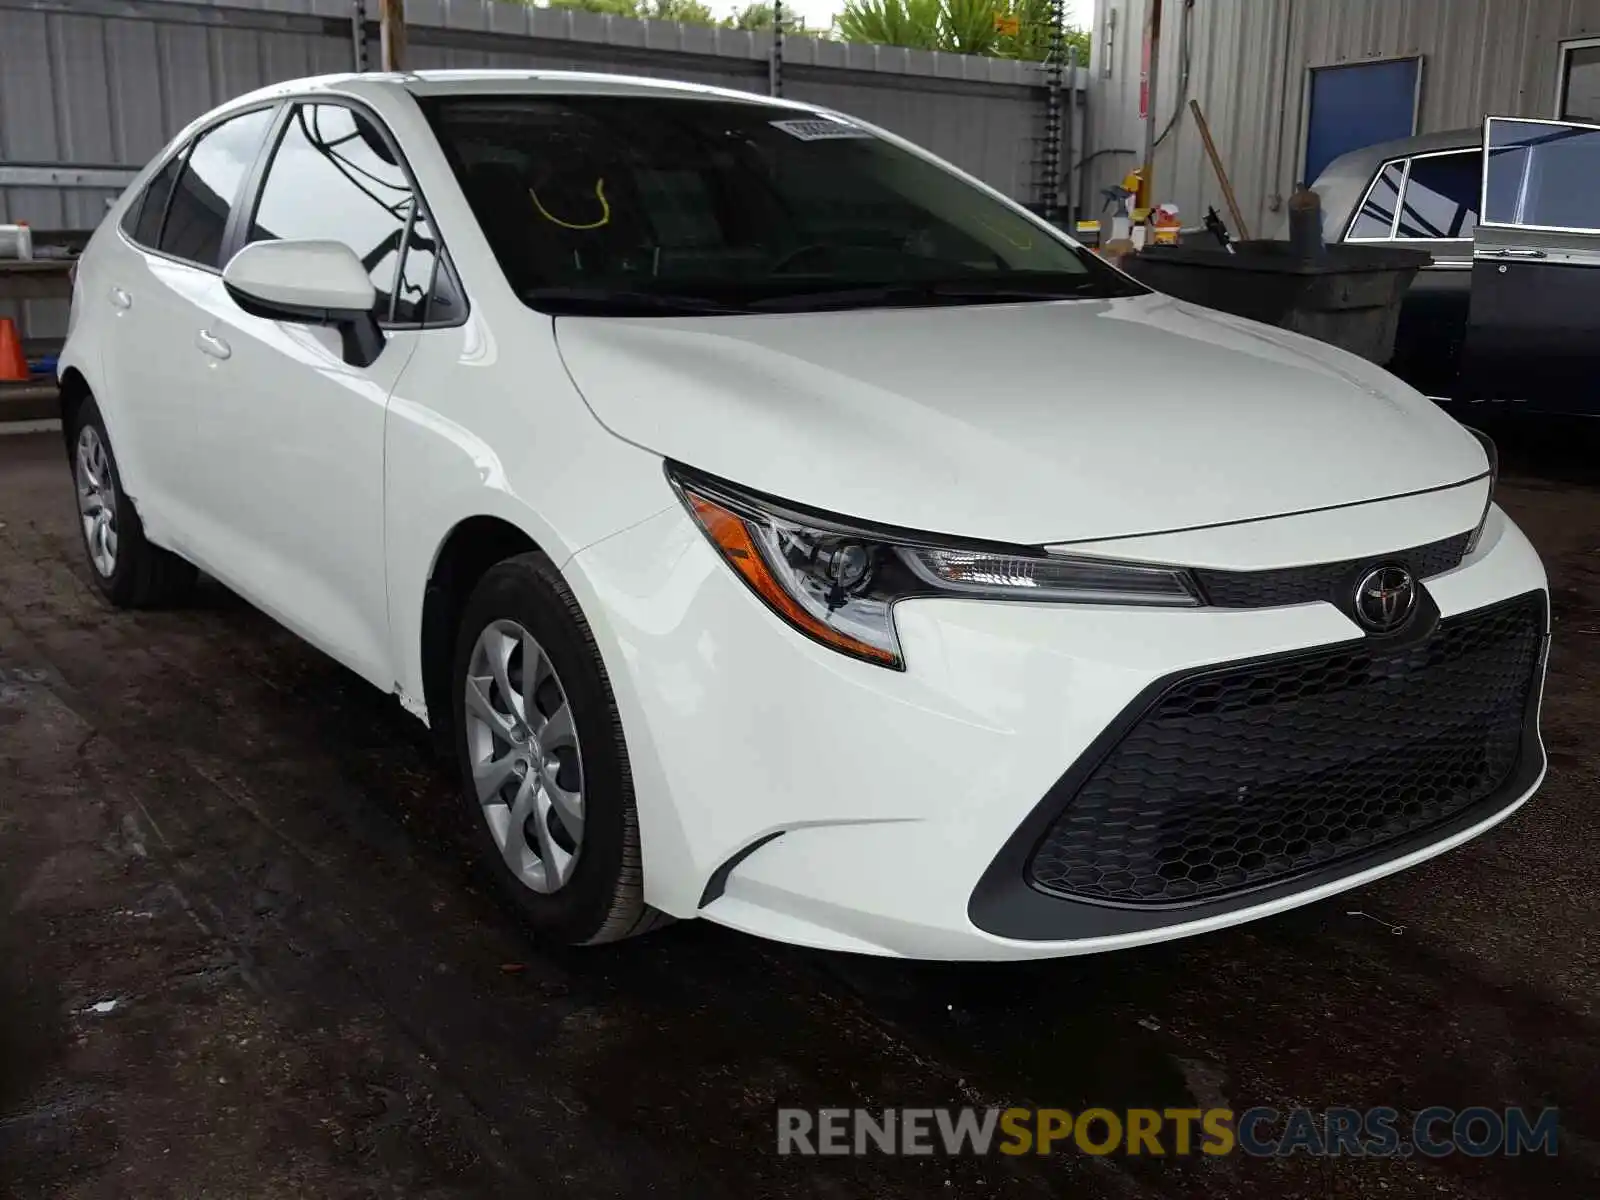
1244, 776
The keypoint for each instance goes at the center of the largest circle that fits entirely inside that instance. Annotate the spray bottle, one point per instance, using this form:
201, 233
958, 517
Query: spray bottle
1121, 241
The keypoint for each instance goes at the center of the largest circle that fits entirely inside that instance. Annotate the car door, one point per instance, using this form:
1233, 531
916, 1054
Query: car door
291, 442
1533, 336
1428, 201
167, 255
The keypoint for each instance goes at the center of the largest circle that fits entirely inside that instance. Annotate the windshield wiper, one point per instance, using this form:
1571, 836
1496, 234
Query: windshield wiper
952, 292
607, 302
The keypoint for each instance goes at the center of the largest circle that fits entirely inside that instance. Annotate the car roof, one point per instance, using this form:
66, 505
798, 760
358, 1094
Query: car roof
514, 82
443, 83
1343, 182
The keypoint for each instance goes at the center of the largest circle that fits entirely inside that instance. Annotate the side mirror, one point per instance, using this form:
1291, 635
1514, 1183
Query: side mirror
309, 283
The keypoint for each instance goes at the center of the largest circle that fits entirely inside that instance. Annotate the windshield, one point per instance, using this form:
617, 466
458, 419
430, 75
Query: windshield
662, 206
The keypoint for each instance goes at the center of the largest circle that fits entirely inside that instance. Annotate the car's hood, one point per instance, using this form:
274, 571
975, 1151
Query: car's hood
1031, 423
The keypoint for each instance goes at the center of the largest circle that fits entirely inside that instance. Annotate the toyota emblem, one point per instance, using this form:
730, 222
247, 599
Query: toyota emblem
1385, 598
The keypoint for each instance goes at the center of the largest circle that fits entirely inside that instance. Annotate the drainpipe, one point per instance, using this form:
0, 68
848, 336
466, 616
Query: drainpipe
1275, 200
1071, 148
1152, 74
775, 63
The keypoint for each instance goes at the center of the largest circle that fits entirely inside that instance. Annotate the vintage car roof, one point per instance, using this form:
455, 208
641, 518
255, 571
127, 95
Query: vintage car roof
1344, 181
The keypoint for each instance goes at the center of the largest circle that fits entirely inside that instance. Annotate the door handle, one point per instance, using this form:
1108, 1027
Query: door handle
210, 343
120, 299
1519, 253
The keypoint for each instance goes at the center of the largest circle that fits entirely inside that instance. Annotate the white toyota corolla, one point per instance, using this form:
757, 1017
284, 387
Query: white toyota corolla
782, 527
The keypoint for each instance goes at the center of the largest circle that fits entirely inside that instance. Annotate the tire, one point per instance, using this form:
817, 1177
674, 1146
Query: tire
126, 567
523, 611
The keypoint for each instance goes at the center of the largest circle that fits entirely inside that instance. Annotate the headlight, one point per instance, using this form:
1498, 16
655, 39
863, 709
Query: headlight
837, 582
1493, 452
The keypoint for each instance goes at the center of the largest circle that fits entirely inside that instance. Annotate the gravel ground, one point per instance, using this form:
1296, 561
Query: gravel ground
242, 955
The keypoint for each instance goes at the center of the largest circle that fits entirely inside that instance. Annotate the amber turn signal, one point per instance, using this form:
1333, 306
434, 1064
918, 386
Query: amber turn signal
729, 533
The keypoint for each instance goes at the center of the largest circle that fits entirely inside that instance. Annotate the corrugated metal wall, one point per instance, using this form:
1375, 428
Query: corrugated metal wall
95, 84
1248, 63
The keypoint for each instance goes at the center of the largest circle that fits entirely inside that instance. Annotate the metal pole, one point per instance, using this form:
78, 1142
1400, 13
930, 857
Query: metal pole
1069, 139
775, 63
1153, 32
1239, 226
1086, 175
1050, 160
358, 33
392, 34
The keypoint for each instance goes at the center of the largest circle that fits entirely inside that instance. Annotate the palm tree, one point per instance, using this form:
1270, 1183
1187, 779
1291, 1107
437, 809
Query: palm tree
913, 23
958, 27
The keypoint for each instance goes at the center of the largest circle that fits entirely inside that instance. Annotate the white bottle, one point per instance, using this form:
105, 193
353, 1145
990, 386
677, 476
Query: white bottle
16, 241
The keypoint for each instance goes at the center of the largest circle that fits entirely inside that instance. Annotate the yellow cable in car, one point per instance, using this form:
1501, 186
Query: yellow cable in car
599, 194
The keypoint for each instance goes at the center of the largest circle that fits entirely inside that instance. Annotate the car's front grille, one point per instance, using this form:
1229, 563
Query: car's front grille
1240, 777
1303, 585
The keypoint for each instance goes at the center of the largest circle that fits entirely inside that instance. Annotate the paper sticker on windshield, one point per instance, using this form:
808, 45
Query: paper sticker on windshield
814, 129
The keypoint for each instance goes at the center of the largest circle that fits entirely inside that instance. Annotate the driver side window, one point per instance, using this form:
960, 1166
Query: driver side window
334, 177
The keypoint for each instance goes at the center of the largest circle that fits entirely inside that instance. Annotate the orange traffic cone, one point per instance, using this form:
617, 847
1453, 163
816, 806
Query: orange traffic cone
12, 364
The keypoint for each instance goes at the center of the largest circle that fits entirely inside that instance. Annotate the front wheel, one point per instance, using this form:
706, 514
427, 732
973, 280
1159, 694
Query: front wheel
545, 784
129, 570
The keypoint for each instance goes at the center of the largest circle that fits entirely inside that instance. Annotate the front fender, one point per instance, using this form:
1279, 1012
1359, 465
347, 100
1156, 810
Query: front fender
515, 443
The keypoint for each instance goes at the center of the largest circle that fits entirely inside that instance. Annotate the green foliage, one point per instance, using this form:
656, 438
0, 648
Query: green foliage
958, 26
954, 26
912, 23
616, 8
760, 16
689, 12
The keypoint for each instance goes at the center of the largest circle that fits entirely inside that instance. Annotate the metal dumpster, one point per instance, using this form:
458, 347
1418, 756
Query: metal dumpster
1349, 297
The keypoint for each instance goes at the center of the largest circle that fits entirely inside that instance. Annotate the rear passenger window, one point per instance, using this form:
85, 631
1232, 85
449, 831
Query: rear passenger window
208, 186
1442, 196
143, 220
334, 177
1376, 218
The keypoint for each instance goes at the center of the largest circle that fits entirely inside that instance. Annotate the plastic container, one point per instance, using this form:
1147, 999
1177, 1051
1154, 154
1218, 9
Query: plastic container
1165, 225
1349, 296
16, 241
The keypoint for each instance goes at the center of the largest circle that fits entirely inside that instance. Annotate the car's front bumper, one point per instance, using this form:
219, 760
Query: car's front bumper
792, 792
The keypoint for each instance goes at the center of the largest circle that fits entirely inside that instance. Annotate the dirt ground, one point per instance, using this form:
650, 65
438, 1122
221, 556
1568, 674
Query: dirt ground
242, 955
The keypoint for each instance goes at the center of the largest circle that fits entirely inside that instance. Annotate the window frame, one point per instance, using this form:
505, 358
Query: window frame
1483, 183
1405, 186
1307, 84
134, 213
1564, 49
1366, 195
1400, 197
255, 182
181, 151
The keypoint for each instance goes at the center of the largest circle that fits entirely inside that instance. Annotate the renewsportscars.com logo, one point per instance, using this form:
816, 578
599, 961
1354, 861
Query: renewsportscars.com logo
1261, 1132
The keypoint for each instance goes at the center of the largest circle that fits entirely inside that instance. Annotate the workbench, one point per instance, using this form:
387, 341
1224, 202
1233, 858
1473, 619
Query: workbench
35, 278
32, 279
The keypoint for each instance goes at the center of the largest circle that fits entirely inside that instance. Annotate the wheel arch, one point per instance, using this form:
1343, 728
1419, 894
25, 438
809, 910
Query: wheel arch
74, 391
472, 546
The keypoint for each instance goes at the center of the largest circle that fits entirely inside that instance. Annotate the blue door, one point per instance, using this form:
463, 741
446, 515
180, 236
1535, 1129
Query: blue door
1358, 106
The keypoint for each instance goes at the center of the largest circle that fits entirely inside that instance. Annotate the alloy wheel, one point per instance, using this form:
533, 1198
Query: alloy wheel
97, 500
524, 755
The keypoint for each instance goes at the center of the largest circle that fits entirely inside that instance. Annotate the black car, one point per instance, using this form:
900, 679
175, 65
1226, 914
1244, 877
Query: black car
1509, 311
